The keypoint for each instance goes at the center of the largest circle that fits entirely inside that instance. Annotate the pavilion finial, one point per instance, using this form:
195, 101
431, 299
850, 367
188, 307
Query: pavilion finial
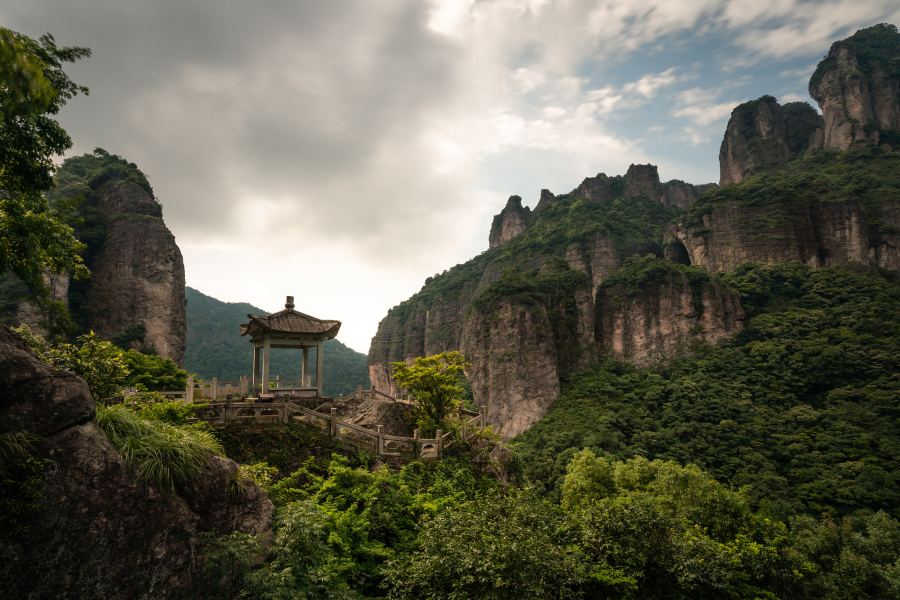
289, 304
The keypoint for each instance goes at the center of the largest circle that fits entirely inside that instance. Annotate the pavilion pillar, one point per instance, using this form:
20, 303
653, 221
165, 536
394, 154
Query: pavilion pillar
304, 368
255, 365
264, 389
319, 368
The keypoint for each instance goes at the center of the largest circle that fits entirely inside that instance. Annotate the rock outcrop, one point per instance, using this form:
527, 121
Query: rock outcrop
833, 233
98, 532
138, 278
762, 136
680, 194
857, 87
601, 187
511, 221
662, 320
643, 180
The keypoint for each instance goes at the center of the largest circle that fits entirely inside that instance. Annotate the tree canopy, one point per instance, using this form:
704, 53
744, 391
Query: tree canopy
34, 236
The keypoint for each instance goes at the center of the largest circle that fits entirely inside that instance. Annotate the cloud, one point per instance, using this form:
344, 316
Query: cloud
702, 106
334, 140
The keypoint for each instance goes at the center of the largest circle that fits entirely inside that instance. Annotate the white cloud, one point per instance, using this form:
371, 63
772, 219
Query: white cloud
702, 106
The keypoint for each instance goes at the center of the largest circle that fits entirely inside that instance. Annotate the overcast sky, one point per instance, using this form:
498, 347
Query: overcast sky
341, 151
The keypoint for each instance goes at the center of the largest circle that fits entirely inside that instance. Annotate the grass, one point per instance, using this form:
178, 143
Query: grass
162, 455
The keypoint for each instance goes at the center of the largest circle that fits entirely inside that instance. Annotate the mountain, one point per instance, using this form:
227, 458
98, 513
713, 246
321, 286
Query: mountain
215, 348
135, 294
561, 287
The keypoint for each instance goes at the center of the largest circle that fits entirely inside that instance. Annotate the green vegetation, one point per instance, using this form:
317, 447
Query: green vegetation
800, 406
161, 454
868, 176
98, 362
432, 382
876, 46
34, 235
215, 348
21, 477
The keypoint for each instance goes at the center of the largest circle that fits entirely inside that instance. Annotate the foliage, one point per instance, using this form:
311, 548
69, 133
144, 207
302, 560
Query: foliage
848, 559
215, 348
869, 176
21, 477
800, 406
875, 47
162, 455
35, 342
98, 362
225, 561
299, 559
497, 546
35, 237
155, 406
588, 478
152, 372
432, 383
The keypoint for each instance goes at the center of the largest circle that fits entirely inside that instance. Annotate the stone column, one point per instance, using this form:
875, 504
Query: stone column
379, 447
440, 443
264, 388
215, 389
334, 423
319, 369
304, 368
255, 365
189, 392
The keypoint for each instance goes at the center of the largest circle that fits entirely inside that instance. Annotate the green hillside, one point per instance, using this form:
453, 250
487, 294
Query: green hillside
802, 406
215, 348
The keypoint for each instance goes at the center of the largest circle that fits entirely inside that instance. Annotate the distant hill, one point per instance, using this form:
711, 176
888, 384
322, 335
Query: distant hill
215, 348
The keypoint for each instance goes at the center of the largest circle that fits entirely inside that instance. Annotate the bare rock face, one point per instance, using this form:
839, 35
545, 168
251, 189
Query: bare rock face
643, 180
139, 276
662, 321
857, 87
511, 221
99, 533
834, 233
680, 194
514, 366
755, 141
599, 188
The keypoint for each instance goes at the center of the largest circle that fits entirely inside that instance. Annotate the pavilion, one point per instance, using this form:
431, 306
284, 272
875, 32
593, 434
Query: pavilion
288, 329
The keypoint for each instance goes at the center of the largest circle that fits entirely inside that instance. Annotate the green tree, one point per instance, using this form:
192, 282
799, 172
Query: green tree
98, 362
34, 236
588, 479
432, 381
153, 372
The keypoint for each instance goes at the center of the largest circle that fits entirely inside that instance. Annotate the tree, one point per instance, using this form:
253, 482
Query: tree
432, 381
34, 236
98, 362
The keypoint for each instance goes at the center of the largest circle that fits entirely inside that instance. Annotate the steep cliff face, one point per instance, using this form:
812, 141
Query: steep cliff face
511, 221
857, 87
681, 195
138, 277
661, 319
643, 180
523, 312
98, 532
762, 136
835, 209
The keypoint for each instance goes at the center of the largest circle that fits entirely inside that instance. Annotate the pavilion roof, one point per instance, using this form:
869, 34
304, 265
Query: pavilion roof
290, 321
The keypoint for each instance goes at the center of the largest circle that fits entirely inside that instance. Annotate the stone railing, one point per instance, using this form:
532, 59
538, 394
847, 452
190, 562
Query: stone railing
375, 441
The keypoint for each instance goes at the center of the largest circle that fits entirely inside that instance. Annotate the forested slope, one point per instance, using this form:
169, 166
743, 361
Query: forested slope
802, 405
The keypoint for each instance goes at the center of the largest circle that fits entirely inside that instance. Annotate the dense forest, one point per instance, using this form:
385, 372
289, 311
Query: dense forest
215, 348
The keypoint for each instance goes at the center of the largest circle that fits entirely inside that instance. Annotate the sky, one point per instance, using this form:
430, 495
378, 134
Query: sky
342, 151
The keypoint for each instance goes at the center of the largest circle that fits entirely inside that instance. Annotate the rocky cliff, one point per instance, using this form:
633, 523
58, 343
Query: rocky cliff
857, 87
97, 532
523, 312
139, 276
511, 221
652, 311
763, 136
